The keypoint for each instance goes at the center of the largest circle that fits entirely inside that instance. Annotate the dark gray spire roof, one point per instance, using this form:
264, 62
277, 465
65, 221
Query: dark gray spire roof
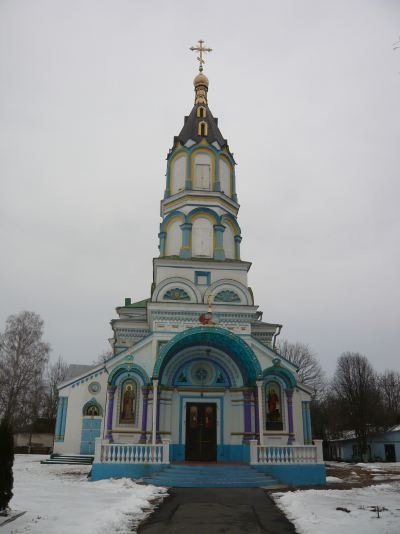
190, 128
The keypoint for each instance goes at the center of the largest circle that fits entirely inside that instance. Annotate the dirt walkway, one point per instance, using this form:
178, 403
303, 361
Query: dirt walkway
217, 510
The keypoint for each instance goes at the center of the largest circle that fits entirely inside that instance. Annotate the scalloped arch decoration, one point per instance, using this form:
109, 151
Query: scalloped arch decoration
227, 296
176, 293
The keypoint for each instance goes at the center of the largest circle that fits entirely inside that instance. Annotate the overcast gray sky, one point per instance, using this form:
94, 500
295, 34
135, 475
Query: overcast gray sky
307, 94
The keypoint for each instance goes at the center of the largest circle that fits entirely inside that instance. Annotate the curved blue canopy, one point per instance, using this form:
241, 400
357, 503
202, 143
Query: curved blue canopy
212, 336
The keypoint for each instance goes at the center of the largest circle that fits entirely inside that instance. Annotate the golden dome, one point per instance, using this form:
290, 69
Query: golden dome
201, 79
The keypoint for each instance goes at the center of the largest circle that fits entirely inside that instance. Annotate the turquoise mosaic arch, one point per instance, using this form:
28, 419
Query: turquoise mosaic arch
284, 374
128, 368
216, 337
89, 403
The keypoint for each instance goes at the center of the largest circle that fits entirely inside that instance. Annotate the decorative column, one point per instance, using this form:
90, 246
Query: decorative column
57, 433
110, 409
161, 246
289, 396
234, 195
186, 251
256, 420
217, 183
158, 437
219, 253
247, 395
145, 396
260, 412
238, 240
154, 421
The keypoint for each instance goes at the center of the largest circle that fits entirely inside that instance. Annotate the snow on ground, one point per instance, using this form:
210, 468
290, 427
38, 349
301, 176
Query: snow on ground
59, 499
316, 511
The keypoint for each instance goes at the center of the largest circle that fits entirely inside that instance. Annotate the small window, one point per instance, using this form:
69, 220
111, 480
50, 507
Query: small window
202, 129
201, 112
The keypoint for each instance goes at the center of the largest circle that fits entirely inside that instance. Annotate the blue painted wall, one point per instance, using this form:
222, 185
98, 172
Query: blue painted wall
296, 475
101, 471
377, 447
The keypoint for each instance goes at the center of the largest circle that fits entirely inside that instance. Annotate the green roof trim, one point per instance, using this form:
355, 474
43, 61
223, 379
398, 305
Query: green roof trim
138, 304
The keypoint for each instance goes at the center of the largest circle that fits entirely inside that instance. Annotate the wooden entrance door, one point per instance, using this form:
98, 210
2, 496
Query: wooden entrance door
201, 431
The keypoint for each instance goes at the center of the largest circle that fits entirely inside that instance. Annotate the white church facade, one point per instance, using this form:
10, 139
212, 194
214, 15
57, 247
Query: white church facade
194, 374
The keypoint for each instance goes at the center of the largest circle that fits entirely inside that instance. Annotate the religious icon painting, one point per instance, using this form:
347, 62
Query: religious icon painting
128, 402
273, 406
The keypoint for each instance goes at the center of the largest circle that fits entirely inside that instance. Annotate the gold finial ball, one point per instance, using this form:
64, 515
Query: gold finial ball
201, 79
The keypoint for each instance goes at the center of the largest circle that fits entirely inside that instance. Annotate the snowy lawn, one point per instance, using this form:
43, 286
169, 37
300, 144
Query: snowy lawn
348, 511
60, 499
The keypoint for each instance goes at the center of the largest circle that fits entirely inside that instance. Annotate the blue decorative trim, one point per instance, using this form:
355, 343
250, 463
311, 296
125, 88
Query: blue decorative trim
202, 274
61, 418
227, 296
214, 214
305, 408
89, 403
176, 294
222, 339
226, 383
126, 368
281, 372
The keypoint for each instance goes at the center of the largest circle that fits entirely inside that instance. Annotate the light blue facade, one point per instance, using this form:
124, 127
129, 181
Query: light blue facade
384, 446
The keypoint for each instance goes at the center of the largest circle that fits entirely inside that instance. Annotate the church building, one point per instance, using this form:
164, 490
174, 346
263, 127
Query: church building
195, 375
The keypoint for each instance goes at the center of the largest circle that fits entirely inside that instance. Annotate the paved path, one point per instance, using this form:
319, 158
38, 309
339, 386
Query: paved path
217, 510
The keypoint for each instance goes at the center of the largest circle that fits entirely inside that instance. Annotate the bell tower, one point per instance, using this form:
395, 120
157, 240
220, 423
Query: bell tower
200, 208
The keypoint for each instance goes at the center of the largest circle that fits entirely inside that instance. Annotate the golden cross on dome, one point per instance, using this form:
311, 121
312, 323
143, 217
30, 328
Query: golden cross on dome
200, 48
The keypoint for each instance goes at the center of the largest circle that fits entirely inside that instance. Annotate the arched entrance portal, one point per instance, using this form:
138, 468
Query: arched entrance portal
207, 377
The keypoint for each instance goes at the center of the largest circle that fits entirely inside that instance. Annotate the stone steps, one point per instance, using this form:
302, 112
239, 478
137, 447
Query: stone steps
218, 476
69, 459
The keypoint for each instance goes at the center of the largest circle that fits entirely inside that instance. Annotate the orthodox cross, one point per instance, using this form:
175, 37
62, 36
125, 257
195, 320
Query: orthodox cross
200, 48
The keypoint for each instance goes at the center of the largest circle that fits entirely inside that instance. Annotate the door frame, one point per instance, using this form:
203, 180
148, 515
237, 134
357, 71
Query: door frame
215, 409
218, 400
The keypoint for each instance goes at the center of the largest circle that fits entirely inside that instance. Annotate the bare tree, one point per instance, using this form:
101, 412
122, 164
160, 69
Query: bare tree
310, 371
355, 384
23, 356
104, 356
389, 387
55, 374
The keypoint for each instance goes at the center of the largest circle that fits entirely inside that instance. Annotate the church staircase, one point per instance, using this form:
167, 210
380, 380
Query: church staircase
69, 459
211, 476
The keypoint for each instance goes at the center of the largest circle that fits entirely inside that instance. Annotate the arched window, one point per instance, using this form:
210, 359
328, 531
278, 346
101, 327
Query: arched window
202, 171
273, 406
178, 174
128, 403
202, 238
202, 129
201, 112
